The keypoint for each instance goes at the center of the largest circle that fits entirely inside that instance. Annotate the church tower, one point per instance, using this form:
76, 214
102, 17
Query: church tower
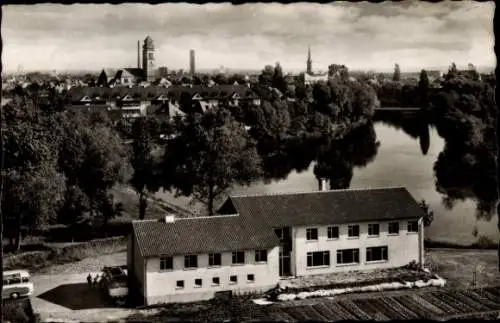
309, 62
148, 60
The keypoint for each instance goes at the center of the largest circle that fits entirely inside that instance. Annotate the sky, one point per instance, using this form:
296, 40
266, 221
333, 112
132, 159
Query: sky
361, 35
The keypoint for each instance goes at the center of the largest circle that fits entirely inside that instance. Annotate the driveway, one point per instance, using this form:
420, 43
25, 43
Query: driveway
62, 293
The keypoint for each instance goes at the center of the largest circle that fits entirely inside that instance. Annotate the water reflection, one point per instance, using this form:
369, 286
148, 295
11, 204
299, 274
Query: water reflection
464, 170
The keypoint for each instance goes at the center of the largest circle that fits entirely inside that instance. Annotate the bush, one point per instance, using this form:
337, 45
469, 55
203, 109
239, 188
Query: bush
37, 260
15, 312
413, 265
484, 242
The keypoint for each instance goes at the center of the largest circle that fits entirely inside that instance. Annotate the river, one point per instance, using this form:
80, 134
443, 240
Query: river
399, 162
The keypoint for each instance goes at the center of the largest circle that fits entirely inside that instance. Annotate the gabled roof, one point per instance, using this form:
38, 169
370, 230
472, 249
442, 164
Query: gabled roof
323, 208
201, 235
129, 72
110, 72
175, 92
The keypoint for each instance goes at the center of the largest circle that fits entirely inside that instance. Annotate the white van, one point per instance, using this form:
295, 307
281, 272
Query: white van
16, 283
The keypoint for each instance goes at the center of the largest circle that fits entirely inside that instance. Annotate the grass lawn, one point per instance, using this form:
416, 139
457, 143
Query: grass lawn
457, 266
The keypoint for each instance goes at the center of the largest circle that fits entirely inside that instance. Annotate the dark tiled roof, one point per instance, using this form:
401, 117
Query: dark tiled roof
135, 72
201, 235
323, 208
152, 92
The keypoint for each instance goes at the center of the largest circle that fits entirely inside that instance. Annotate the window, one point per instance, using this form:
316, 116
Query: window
198, 282
373, 229
412, 226
376, 254
394, 228
353, 231
260, 255
166, 263
25, 280
250, 278
318, 258
348, 256
333, 232
214, 259
190, 261
238, 257
180, 284
312, 234
233, 279
216, 281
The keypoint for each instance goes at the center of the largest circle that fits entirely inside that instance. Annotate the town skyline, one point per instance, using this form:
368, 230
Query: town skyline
363, 36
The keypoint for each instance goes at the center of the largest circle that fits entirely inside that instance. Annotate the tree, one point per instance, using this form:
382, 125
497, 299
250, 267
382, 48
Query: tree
465, 115
221, 79
338, 71
210, 154
33, 187
423, 87
93, 158
429, 214
266, 76
278, 79
396, 77
145, 160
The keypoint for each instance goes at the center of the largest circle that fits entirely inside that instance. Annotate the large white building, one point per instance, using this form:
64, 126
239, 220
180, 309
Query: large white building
254, 241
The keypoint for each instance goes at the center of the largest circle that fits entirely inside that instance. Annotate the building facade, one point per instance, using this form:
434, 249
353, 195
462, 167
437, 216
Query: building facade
301, 234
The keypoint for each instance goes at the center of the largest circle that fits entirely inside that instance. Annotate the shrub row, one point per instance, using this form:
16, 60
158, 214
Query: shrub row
36, 260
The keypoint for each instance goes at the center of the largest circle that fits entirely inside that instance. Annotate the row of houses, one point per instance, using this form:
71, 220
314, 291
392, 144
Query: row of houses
255, 241
139, 101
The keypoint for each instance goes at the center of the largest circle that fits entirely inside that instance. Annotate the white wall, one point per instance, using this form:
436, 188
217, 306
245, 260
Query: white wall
402, 248
138, 266
161, 285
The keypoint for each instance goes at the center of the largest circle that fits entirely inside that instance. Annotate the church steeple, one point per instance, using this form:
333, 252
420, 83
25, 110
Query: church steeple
309, 61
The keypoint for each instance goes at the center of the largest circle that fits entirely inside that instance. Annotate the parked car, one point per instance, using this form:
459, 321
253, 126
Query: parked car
115, 284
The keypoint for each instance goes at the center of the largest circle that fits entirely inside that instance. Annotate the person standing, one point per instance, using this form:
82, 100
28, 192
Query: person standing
96, 281
89, 280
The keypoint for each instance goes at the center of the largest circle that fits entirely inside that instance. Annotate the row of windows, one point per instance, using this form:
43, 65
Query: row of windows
347, 256
198, 282
214, 259
353, 230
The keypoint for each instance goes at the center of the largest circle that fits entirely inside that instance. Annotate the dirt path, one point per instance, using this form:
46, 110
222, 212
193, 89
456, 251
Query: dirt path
87, 265
62, 293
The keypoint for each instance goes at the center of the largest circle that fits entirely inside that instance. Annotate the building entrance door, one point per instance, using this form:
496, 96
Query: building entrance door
285, 265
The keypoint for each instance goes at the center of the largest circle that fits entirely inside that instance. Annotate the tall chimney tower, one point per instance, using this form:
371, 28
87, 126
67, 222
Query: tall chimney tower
191, 62
138, 54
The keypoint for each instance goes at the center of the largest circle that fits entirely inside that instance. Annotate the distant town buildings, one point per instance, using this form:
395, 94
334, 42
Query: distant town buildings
132, 76
137, 101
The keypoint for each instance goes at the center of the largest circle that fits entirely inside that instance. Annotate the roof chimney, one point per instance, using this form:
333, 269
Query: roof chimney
322, 184
169, 218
